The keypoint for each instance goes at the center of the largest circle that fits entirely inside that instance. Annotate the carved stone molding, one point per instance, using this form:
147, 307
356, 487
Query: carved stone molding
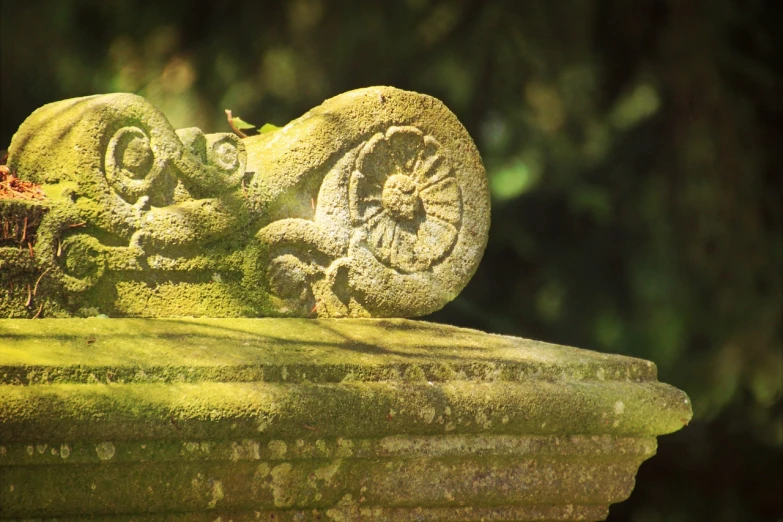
338, 420
372, 204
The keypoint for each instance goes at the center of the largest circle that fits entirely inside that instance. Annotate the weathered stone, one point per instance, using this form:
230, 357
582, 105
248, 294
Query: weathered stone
295, 419
372, 204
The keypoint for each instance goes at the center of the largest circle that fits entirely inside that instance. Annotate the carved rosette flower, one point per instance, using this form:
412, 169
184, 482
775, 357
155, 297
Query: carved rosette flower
404, 200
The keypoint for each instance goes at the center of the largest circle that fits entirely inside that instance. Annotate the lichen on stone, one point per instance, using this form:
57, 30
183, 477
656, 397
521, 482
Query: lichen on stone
358, 208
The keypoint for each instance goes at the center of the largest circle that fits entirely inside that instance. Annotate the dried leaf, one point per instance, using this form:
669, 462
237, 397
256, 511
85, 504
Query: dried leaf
12, 187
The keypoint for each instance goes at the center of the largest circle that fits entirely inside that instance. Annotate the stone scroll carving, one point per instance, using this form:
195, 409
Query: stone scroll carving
373, 204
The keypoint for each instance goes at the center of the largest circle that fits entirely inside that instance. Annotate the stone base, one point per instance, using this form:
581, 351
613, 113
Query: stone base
295, 419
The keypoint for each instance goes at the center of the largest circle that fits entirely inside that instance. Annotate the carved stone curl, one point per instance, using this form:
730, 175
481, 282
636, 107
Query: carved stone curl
373, 204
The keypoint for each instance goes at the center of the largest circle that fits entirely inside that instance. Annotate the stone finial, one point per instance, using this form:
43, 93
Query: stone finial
373, 204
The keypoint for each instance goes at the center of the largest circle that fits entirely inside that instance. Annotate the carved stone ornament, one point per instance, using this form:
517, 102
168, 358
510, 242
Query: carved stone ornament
374, 204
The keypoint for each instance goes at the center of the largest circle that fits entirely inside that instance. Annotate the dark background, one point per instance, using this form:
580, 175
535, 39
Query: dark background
631, 147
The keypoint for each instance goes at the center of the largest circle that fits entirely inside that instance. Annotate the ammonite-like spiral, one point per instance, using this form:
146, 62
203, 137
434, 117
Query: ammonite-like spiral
130, 163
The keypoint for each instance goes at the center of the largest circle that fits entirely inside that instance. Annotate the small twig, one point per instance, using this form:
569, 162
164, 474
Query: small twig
30, 246
234, 128
29, 296
35, 288
311, 428
59, 247
24, 229
83, 223
38, 313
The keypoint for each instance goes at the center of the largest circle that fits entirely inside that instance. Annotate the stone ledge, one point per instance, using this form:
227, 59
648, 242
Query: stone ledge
287, 419
324, 350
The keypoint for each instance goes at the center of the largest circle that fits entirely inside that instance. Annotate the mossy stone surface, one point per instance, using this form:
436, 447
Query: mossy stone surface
292, 419
374, 204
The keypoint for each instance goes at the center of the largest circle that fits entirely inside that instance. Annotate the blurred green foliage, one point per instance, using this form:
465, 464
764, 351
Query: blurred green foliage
630, 147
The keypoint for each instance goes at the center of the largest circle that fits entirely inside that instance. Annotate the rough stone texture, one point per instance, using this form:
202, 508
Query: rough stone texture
295, 419
372, 204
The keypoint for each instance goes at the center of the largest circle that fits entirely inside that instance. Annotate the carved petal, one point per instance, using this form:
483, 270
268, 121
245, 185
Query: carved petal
406, 145
432, 169
443, 200
434, 241
375, 161
365, 198
403, 256
381, 234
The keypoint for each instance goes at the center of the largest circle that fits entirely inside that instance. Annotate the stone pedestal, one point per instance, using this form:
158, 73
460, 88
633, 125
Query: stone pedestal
297, 419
